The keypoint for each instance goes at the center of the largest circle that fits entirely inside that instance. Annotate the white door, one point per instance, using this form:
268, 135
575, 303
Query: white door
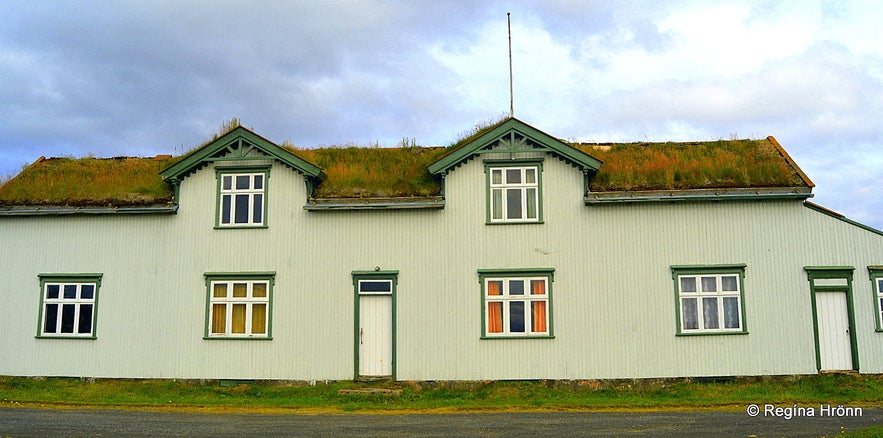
375, 335
835, 348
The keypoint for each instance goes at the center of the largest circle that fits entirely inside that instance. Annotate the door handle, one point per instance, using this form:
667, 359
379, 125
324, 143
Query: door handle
361, 335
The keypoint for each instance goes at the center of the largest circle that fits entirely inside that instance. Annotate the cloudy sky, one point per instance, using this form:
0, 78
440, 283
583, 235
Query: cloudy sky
142, 78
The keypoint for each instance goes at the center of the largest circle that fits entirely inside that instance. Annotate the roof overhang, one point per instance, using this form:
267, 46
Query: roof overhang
339, 204
64, 210
730, 194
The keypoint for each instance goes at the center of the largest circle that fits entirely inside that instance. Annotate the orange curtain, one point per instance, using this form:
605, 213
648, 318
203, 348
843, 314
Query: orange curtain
237, 324
259, 319
538, 308
495, 309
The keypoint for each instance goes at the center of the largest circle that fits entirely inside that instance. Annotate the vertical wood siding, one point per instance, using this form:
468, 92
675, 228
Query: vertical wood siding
613, 304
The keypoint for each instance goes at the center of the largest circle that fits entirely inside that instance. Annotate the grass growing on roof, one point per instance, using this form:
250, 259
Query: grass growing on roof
681, 166
89, 182
359, 172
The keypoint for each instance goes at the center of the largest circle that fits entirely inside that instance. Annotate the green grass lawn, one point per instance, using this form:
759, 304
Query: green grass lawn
850, 390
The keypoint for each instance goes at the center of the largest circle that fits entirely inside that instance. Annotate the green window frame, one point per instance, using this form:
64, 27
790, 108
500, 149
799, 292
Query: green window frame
514, 191
68, 306
709, 299
239, 305
876, 275
242, 197
516, 303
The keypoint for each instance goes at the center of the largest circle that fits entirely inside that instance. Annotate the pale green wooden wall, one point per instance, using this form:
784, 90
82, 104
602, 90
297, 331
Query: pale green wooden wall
614, 308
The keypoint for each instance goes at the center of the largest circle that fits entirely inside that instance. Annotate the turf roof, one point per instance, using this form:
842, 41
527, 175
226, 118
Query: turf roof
355, 172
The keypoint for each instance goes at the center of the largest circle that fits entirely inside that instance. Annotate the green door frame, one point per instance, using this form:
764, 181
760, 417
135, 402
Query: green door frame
814, 273
392, 275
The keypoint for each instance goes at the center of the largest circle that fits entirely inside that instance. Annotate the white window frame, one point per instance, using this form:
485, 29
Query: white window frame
506, 299
499, 187
250, 195
61, 283
706, 298
228, 302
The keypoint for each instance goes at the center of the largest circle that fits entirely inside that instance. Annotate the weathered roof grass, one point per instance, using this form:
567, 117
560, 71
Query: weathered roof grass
696, 165
375, 172
400, 172
123, 181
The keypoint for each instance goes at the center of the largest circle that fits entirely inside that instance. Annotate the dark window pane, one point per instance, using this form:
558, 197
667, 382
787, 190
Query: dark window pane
516, 316
496, 176
70, 291
689, 316
227, 182
513, 204
709, 284
85, 325
516, 287
225, 209
375, 286
241, 215
67, 318
51, 318
52, 291
729, 283
709, 313
258, 182
513, 176
258, 209
242, 182
731, 313
87, 291
688, 284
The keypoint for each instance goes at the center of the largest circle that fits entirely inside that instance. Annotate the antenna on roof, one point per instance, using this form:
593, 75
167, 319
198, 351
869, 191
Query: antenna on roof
511, 94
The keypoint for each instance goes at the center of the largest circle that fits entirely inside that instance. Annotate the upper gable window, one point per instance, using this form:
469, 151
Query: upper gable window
514, 192
242, 198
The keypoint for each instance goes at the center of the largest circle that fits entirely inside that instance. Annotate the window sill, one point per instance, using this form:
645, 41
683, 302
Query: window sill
241, 227
519, 337
65, 337
515, 223
712, 333
237, 338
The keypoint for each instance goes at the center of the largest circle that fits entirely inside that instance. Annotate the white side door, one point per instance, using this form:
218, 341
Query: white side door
832, 316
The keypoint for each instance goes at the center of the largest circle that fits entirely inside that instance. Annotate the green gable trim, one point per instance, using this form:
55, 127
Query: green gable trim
816, 207
214, 150
510, 126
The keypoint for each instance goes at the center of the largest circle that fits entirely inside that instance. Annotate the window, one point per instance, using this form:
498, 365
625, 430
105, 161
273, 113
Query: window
516, 303
514, 192
710, 299
242, 198
68, 305
239, 305
877, 282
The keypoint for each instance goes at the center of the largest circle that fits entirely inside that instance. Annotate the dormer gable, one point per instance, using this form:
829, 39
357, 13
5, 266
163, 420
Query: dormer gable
512, 136
241, 145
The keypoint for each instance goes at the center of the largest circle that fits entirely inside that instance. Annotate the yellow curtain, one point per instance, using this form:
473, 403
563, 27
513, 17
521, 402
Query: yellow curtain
219, 317
538, 287
238, 320
258, 319
495, 309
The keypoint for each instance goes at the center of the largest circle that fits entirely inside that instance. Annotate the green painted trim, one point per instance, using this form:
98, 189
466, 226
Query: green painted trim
220, 172
512, 125
69, 278
549, 273
694, 195
222, 145
389, 274
350, 204
717, 269
503, 164
828, 272
876, 273
64, 211
835, 215
270, 276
